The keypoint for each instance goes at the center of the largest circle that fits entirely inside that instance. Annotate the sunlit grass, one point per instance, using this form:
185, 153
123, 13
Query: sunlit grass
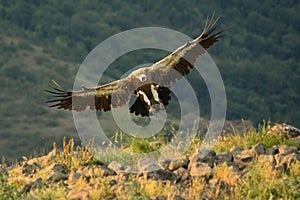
259, 181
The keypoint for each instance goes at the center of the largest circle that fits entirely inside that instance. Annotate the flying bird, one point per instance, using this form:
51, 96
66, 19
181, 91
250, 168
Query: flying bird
150, 85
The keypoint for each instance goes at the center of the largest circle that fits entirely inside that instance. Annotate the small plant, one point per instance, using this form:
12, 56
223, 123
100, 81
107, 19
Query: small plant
263, 183
141, 146
7, 191
250, 138
71, 157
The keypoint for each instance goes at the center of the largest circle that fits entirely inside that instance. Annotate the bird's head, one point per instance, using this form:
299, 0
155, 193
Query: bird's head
142, 77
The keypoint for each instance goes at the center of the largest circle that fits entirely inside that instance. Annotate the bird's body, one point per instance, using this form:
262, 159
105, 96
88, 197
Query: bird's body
149, 84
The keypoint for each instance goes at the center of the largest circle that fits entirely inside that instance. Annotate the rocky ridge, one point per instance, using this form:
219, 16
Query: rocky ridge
201, 165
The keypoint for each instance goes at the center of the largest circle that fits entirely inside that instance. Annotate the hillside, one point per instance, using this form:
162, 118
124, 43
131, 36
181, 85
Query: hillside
43, 40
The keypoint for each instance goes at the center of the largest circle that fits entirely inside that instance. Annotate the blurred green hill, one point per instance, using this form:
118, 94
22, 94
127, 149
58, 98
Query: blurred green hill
42, 40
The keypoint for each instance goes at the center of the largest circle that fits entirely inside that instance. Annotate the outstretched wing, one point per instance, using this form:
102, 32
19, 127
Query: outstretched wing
101, 98
180, 62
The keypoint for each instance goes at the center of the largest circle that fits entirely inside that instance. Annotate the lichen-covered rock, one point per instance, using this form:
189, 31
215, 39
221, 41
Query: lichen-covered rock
29, 169
32, 185
56, 177
284, 130
73, 177
266, 159
177, 197
181, 173
117, 166
235, 150
292, 131
245, 156
296, 139
281, 168
96, 171
148, 165
259, 149
224, 157
178, 162
273, 150
160, 198
200, 169
58, 168
203, 155
216, 183
160, 174
56, 172
164, 162
105, 171
244, 160
284, 149
286, 160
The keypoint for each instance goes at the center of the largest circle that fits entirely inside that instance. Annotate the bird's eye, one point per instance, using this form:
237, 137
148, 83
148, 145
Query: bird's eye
142, 77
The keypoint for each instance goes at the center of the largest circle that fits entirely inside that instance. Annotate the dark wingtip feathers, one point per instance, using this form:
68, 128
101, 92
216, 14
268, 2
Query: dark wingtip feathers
62, 97
210, 26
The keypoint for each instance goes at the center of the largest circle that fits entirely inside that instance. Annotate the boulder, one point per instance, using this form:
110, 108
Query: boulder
32, 185
178, 162
200, 169
56, 177
292, 131
273, 150
74, 176
259, 149
105, 171
284, 130
148, 165
58, 168
224, 157
97, 171
267, 159
29, 169
235, 150
164, 162
160, 198
244, 159
160, 174
117, 166
203, 155
296, 139
285, 149
216, 183
288, 159
181, 173
177, 197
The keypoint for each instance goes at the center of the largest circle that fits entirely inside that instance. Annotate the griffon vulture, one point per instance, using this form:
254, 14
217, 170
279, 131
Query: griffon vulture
149, 84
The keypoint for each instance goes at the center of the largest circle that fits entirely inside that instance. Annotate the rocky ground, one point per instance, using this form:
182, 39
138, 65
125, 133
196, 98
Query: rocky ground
202, 174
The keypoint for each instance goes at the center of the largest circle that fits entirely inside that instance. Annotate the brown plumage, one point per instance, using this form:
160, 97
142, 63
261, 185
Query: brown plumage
150, 84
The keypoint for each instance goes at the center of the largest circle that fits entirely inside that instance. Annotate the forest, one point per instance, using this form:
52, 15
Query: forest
258, 58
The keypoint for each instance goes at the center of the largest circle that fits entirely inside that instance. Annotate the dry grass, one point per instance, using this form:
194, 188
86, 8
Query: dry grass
227, 174
259, 181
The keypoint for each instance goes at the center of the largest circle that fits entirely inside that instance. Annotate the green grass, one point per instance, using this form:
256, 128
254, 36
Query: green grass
262, 183
7, 191
259, 181
252, 137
